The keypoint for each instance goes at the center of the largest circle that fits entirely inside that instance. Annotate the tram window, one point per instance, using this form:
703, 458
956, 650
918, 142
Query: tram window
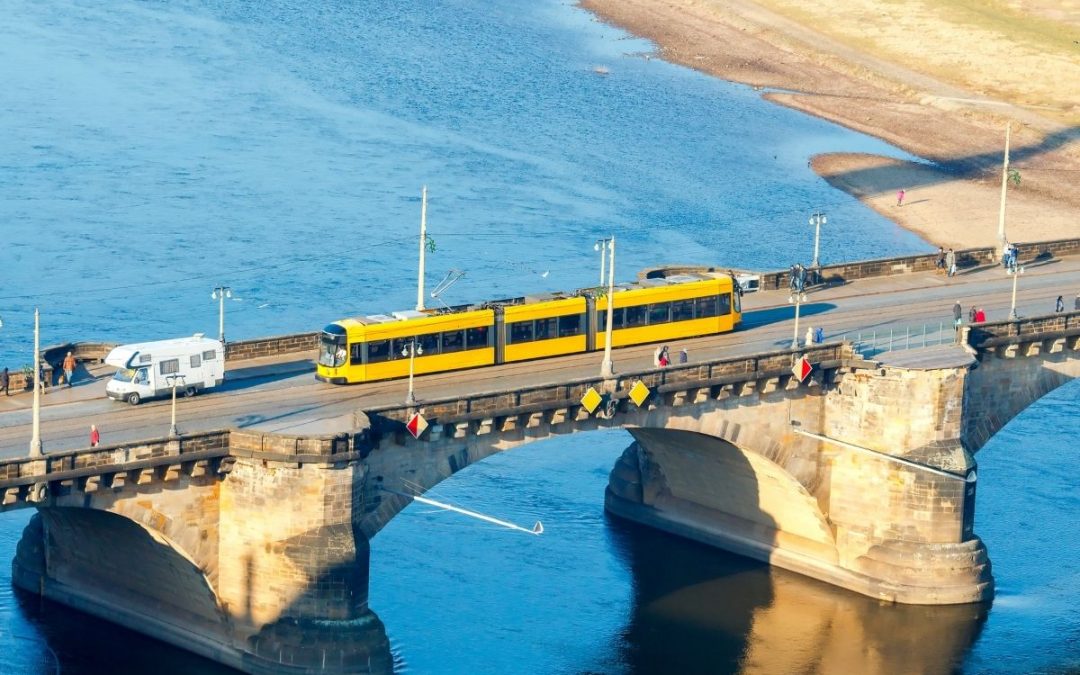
356, 353
682, 310
521, 331
377, 351
477, 338
571, 325
429, 344
725, 303
545, 329
705, 307
659, 313
636, 316
616, 320
453, 341
399, 347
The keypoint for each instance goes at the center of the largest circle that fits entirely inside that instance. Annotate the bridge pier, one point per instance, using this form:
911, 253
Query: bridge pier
847, 512
257, 564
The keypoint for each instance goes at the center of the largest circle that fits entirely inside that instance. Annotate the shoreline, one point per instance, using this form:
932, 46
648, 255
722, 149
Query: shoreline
952, 202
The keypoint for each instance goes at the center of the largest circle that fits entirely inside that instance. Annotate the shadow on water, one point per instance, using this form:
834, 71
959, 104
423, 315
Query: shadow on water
74, 643
700, 610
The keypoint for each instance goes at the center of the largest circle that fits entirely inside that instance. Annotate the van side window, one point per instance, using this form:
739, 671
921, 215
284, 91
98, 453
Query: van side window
209, 355
196, 361
170, 367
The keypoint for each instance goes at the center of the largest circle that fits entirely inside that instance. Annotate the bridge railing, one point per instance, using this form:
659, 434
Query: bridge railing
1060, 324
486, 404
873, 342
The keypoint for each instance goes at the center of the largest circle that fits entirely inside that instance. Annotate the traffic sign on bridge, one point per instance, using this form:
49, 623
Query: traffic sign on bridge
416, 425
802, 368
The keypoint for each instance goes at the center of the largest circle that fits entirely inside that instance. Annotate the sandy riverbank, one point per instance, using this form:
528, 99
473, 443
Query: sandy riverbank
931, 81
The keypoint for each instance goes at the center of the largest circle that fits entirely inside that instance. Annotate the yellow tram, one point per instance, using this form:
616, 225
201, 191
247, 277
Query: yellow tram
377, 347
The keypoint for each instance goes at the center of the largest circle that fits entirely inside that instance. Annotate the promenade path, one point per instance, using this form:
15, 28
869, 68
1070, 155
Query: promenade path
281, 394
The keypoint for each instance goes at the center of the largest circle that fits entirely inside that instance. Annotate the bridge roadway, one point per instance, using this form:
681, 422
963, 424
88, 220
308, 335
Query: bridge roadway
282, 395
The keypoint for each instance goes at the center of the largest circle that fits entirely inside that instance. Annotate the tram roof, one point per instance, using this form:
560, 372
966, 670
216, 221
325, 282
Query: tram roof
405, 315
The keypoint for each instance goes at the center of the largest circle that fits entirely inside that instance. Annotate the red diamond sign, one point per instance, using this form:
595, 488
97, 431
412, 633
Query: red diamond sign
802, 369
416, 425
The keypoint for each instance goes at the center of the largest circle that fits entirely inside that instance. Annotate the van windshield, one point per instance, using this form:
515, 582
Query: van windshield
124, 375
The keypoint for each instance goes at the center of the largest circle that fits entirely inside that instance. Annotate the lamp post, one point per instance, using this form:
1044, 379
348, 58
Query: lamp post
423, 245
219, 294
1004, 182
172, 379
35, 438
601, 245
412, 350
817, 220
1015, 270
797, 285
607, 368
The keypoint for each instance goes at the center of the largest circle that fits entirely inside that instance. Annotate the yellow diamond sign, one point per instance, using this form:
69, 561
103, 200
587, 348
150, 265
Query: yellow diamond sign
639, 392
591, 400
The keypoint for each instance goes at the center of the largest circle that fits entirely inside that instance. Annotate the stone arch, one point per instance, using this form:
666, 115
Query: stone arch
120, 569
773, 479
1007, 381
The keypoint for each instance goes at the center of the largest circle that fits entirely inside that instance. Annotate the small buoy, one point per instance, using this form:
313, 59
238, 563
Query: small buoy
601, 70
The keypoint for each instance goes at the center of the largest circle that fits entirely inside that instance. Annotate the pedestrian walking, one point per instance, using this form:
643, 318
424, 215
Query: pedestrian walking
809, 335
657, 353
980, 316
1076, 303
940, 264
664, 360
971, 314
900, 198
1059, 306
819, 335
5, 380
95, 436
684, 356
41, 377
950, 263
69, 368
957, 314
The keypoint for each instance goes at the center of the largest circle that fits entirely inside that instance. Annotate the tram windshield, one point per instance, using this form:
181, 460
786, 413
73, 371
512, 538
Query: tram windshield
332, 350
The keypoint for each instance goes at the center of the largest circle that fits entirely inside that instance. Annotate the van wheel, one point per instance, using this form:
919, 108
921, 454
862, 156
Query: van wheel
133, 398
190, 391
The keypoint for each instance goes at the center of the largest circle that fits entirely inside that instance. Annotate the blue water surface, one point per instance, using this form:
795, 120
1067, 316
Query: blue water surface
153, 150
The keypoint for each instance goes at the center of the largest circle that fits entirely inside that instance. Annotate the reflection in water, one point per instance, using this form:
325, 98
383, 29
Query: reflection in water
695, 612
79, 644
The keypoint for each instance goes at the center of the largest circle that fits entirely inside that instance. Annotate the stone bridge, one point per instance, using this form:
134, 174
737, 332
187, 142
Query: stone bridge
252, 549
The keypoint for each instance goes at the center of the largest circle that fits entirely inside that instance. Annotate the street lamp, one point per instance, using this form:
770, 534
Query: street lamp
797, 284
172, 379
601, 245
219, 294
412, 350
1015, 271
35, 438
607, 369
817, 220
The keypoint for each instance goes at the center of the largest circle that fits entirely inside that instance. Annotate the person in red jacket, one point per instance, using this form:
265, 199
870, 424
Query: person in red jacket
980, 315
95, 436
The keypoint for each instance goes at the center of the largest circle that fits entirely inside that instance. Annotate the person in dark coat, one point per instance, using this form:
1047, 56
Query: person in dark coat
1059, 306
957, 314
5, 380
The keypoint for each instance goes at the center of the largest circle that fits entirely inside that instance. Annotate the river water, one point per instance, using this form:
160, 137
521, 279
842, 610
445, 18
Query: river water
154, 150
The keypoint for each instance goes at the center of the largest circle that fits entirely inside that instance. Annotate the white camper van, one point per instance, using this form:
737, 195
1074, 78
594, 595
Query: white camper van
147, 369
